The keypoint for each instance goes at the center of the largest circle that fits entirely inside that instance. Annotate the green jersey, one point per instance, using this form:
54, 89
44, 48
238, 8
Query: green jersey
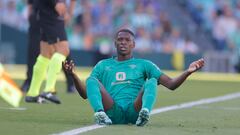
124, 79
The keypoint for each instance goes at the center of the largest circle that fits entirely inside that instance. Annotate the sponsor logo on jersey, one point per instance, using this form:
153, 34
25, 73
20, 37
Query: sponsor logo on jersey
120, 76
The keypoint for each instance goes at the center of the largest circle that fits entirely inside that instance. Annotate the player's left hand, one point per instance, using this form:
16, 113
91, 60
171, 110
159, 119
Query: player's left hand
68, 66
196, 65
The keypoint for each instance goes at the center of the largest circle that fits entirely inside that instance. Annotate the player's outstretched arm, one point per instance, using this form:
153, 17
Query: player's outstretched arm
173, 83
68, 66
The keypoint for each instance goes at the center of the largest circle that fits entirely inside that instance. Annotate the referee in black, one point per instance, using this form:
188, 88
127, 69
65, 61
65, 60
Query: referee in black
34, 39
33, 43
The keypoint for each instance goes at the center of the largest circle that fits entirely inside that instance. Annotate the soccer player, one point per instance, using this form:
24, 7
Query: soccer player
53, 49
123, 89
34, 48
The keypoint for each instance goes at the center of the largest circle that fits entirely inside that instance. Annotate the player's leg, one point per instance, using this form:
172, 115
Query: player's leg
99, 100
145, 101
39, 72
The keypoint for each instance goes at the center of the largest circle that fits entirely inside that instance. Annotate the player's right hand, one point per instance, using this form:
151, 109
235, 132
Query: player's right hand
61, 8
68, 66
196, 65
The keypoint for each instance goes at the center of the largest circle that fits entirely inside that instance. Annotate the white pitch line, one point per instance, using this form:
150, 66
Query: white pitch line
80, 130
12, 108
219, 108
160, 110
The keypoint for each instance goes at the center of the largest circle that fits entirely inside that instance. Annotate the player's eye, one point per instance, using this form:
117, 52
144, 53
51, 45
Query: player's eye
119, 39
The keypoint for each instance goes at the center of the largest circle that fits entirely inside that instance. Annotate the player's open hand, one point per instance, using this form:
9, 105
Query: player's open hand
68, 66
196, 65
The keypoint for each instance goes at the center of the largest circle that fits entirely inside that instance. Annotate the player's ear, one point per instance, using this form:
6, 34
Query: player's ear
115, 43
133, 44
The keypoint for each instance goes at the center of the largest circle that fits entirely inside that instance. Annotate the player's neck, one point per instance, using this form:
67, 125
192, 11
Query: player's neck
123, 57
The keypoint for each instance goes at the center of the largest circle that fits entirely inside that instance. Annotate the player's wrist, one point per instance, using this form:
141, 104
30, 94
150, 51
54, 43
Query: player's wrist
188, 72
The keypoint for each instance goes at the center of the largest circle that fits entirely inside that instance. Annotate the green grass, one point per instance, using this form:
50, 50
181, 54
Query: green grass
192, 121
75, 112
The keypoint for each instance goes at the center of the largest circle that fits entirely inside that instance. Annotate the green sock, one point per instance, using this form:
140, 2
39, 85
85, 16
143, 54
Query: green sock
55, 67
94, 94
150, 93
39, 72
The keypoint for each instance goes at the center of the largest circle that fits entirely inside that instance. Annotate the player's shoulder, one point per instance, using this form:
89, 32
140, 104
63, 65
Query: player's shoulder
105, 61
145, 61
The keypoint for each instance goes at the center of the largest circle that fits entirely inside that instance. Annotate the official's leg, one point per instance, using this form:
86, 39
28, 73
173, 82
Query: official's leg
55, 65
33, 49
39, 71
55, 36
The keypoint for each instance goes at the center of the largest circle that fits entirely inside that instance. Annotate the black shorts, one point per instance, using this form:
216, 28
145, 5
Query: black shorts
52, 31
52, 27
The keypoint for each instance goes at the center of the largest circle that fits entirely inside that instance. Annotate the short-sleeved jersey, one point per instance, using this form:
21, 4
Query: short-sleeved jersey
124, 79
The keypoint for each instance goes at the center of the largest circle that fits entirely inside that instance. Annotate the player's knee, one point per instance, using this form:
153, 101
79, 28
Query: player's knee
152, 81
91, 80
150, 86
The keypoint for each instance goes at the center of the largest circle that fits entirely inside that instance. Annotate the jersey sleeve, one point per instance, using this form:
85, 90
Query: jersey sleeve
152, 70
97, 71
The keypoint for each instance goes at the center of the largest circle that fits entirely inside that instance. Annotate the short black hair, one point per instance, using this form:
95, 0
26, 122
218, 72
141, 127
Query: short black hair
125, 30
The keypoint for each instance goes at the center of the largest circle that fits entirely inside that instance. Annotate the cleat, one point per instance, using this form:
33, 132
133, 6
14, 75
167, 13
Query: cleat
143, 117
36, 99
101, 118
51, 97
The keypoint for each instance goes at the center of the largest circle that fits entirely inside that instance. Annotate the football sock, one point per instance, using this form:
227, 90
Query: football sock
150, 93
94, 94
55, 66
39, 72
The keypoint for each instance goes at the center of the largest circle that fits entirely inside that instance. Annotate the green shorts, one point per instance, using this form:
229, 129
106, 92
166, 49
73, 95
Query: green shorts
119, 116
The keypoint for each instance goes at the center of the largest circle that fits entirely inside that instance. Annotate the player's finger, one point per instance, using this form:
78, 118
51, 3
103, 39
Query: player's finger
201, 62
71, 64
197, 65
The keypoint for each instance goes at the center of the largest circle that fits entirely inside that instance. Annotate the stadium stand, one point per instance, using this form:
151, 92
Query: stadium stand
189, 26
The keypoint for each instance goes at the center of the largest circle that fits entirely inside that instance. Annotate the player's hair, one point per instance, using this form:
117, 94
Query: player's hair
125, 30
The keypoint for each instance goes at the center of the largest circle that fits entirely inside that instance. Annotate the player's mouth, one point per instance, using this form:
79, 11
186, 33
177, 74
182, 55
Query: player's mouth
123, 49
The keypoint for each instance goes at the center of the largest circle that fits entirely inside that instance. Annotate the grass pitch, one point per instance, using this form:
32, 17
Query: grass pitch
74, 112
222, 118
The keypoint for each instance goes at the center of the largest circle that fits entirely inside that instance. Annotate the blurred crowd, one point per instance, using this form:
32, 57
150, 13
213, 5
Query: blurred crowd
95, 22
219, 17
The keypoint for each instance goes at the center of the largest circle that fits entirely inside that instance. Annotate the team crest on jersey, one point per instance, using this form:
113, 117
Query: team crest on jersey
120, 76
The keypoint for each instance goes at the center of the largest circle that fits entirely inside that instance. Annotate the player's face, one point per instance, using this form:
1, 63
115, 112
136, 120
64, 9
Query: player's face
124, 43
